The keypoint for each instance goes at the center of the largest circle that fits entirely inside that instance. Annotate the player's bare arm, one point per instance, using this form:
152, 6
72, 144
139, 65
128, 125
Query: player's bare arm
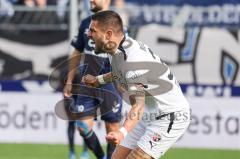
134, 115
73, 64
138, 153
137, 101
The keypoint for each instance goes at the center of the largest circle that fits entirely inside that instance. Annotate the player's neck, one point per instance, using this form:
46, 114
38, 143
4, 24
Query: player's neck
105, 6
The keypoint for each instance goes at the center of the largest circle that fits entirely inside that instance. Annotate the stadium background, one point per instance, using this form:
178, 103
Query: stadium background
199, 39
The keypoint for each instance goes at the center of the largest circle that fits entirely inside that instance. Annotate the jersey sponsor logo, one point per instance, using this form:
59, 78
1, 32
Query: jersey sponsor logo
91, 43
116, 108
132, 75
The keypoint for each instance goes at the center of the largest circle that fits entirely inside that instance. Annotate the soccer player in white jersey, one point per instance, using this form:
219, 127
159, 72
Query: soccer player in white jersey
160, 114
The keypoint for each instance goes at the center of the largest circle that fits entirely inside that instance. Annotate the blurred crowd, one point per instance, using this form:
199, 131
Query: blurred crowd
31, 3
8, 7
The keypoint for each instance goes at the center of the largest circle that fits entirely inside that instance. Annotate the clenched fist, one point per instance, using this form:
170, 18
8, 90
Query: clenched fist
114, 137
90, 80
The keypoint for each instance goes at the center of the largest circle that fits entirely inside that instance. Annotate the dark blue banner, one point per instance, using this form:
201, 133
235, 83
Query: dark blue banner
212, 13
183, 2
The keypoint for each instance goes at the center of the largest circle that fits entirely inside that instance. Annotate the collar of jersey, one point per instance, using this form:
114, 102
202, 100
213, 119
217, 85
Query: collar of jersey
122, 49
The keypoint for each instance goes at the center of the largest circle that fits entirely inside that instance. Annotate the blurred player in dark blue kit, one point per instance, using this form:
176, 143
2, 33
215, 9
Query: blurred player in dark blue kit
95, 65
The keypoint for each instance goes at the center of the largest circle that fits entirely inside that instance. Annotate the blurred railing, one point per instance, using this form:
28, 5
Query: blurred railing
35, 18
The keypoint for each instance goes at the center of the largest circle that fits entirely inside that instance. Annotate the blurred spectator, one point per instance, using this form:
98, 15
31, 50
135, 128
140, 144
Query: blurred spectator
29, 3
62, 8
39, 3
119, 6
52, 2
14, 1
6, 8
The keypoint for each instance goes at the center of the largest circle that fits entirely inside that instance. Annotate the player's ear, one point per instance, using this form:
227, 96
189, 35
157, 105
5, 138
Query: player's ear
109, 34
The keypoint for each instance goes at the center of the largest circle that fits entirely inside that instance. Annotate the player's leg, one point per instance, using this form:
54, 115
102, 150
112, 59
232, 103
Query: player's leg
87, 108
129, 143
90, 138
84, 154
70, 133
128, 148
111, 113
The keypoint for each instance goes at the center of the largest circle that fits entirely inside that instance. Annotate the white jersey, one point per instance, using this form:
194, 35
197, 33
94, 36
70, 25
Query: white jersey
135, 63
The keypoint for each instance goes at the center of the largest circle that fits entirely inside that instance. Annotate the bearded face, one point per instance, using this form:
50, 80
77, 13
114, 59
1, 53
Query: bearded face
100, 38
96, 5
99, 46
102, 46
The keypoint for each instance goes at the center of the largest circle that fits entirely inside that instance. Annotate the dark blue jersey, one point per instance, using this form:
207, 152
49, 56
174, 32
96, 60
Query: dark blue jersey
81, 42
96, 64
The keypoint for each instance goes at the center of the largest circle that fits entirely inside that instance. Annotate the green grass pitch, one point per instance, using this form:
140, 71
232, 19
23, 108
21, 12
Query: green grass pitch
40, 151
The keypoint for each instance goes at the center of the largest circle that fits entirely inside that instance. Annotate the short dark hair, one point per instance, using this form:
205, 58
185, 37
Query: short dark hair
109, 19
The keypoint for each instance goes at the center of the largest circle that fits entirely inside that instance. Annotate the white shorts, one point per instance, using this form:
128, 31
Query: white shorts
157, 136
